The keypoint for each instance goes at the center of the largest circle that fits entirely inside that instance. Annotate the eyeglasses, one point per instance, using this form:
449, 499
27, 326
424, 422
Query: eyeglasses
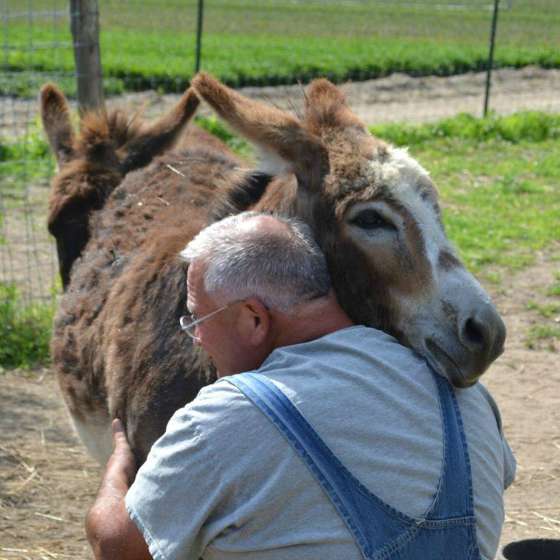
190, 322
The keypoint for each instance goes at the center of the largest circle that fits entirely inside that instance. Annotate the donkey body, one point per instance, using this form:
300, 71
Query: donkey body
117, 348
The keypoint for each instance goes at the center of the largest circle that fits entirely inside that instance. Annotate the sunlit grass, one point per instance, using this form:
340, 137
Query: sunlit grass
24, 329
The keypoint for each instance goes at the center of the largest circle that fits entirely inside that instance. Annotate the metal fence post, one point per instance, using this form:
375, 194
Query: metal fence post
199, 35
84, 23
491, 55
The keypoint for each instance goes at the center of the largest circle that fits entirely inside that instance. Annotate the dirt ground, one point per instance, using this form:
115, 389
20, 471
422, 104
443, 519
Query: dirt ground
47, 482
397, 97
403, 98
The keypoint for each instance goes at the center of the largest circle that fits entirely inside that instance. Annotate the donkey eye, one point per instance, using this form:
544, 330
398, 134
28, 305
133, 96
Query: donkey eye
370, 219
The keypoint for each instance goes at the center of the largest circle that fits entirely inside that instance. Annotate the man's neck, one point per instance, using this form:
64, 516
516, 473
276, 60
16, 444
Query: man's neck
311, 321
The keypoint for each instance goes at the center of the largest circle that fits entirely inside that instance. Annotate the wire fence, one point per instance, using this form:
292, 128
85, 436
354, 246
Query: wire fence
407, 60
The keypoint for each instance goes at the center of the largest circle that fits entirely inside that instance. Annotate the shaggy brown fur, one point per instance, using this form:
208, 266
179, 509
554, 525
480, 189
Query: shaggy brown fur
117, 347
103, 341
94, 162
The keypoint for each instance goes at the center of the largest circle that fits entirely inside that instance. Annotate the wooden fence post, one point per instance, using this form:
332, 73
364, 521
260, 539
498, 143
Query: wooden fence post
84, 23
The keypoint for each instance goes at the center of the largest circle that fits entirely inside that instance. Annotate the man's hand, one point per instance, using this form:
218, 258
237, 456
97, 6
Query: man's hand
121, 467
110, 531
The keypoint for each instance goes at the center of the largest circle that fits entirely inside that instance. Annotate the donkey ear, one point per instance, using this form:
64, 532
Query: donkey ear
55, 115
285, 144
161, 135
325, 107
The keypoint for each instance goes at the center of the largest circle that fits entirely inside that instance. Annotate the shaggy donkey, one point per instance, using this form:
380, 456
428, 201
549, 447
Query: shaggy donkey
92, 163
84, 211
117, 347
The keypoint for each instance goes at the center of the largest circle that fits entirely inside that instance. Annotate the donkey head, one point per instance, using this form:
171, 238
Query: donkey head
375, 212
94, 161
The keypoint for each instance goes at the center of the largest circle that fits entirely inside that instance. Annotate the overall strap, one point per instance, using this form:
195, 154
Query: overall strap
455, 493
344, 491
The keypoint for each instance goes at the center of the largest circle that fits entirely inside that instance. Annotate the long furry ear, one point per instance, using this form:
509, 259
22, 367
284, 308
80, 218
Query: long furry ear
284, 143
325, 107
55, 115
161, 135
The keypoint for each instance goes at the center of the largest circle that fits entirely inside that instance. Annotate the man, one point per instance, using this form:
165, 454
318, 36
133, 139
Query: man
341, 443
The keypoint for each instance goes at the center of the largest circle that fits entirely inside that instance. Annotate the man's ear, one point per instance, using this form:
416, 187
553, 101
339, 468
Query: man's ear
254, 322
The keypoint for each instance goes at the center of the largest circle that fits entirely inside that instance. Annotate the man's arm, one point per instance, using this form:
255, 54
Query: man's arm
110, 531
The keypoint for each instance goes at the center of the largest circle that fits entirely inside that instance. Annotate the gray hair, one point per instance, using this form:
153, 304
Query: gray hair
281, 268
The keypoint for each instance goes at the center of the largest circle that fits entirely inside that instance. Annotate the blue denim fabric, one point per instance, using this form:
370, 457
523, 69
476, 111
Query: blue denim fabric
447, 530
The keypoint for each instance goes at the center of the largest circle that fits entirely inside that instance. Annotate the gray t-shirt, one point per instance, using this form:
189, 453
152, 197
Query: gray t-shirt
223, 483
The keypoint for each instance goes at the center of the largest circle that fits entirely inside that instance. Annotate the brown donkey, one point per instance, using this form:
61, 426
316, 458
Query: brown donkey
117, 346
92, 163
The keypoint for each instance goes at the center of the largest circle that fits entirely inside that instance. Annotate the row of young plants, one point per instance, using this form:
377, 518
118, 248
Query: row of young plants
280, 42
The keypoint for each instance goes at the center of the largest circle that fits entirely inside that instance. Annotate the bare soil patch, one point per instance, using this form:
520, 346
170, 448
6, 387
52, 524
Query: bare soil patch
526, 384
403, 98
46, 479
395, 98
47, 482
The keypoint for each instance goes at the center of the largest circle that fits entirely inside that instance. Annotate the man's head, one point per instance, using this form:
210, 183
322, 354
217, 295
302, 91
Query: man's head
258, 255
263, 276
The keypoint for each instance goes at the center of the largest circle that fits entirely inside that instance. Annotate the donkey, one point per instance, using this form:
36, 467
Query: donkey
84, 211
117, 347
92, 163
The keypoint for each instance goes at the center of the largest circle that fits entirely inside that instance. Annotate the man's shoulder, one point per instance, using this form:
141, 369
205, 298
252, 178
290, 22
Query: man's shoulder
220, 398
347, 355
219, 411
359, 340
359, 333
370, 344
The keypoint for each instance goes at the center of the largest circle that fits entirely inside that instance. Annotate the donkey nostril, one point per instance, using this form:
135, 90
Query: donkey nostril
474, 332
482, 332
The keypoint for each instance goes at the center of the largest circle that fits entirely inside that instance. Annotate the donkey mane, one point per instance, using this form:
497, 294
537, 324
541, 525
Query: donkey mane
241, 196
114, 128
94, 161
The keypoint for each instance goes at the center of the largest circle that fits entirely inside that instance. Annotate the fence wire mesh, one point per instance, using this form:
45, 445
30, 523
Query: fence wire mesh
29, 33
408, 60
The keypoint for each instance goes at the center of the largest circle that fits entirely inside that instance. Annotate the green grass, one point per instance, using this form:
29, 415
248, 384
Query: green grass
546, 310
530, 126
547, 330
216, 127
499, 185
24, 161
24, 330
151, 44
539, 333
554, 290
501, 200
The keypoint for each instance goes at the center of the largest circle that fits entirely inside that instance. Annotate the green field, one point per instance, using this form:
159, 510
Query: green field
151, 44
501, 201
498, 179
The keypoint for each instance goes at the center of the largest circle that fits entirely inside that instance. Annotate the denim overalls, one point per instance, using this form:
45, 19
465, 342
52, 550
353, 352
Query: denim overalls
445, 532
